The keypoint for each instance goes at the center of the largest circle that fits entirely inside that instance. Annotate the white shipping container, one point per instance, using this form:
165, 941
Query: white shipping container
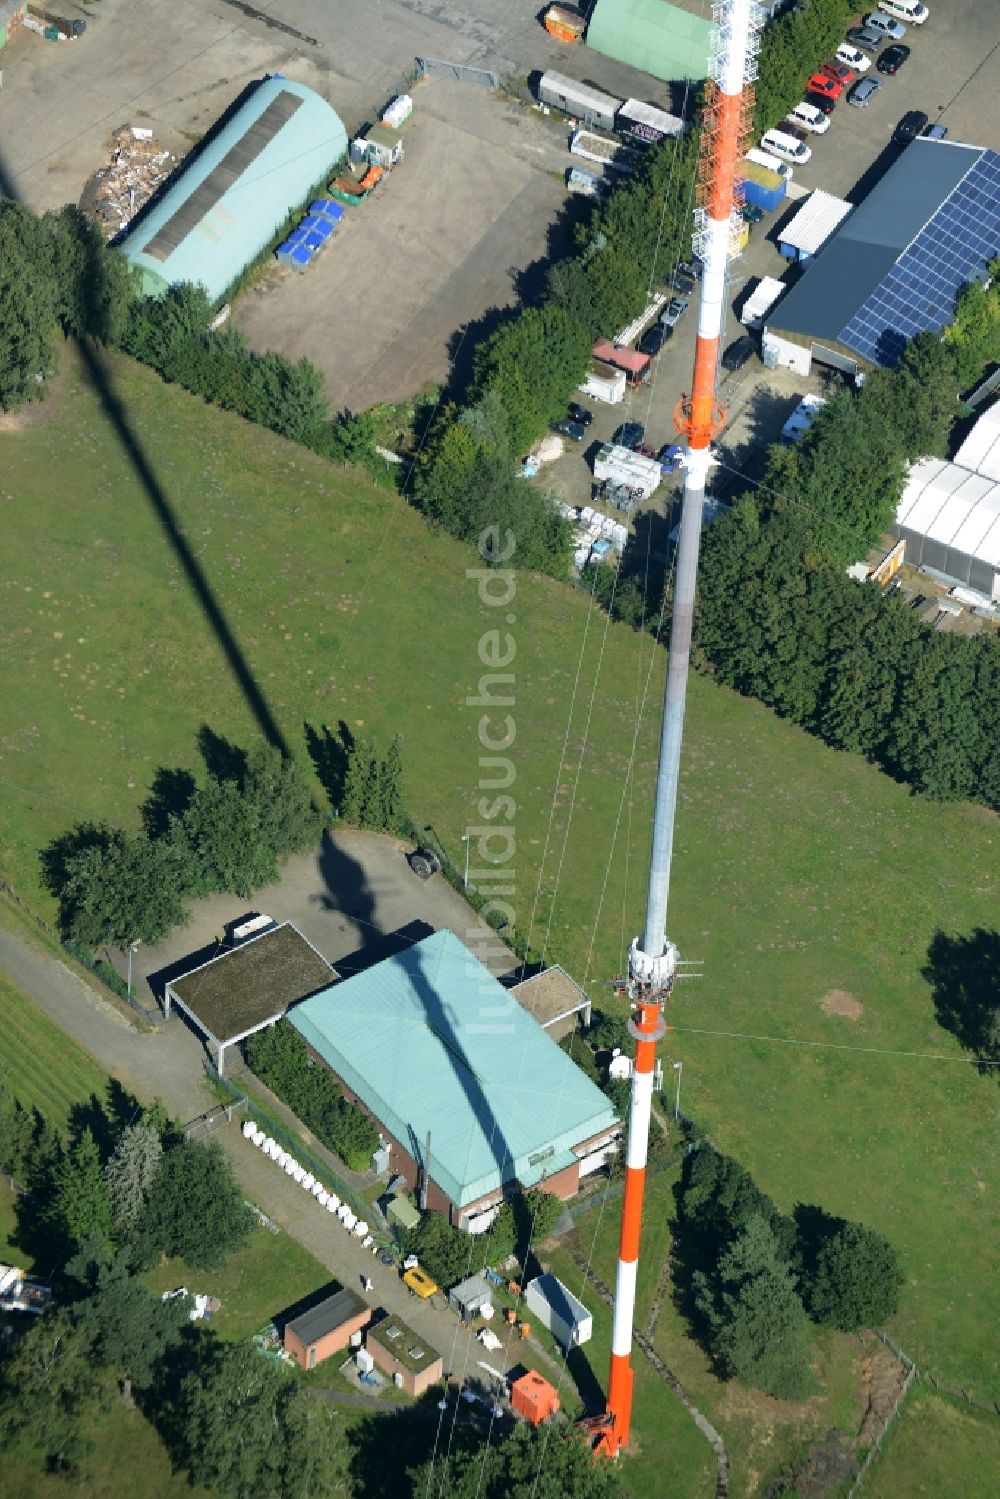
566, 1318
605, 384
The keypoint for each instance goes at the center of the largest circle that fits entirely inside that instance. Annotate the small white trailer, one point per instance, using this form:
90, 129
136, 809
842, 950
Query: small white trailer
604, 383
567, 1319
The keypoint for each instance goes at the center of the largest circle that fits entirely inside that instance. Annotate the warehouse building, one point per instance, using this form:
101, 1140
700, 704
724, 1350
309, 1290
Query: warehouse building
475, 1100
231, 195
894, 267
949, 513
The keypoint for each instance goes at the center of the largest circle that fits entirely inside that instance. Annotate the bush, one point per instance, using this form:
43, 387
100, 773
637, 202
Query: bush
280, 1058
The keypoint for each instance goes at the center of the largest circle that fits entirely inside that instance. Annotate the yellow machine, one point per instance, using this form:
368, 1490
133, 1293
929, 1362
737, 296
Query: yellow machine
419, 1283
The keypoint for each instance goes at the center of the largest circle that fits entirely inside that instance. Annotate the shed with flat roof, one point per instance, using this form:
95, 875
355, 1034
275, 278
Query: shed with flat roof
554, 999
398, 1351
240, 992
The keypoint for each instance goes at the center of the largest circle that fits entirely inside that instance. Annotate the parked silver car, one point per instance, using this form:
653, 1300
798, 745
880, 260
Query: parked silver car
863, 92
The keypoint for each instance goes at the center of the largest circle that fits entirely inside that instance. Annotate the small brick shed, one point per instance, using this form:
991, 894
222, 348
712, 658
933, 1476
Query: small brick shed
325, 1328
399, 1351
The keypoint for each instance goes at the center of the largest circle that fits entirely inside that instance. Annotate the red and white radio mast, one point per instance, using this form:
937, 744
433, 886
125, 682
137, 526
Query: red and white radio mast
653, 959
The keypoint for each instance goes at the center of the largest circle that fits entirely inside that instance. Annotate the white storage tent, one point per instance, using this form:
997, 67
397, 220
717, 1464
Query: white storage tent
981, 449
949, 518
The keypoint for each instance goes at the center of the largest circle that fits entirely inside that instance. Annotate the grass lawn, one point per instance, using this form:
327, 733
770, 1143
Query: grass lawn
808, 883
271, 1273
38, 1061
127, 1458
937, 1448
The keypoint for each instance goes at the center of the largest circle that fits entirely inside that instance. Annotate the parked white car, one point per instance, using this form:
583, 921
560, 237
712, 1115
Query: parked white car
786, 146
912, 11
853, 57
808, 117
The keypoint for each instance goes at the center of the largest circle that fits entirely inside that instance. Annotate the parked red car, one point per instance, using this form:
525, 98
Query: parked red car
822, 83
839, 71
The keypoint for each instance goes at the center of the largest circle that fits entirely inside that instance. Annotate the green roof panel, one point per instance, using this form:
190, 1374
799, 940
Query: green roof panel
653, 35
430, 1040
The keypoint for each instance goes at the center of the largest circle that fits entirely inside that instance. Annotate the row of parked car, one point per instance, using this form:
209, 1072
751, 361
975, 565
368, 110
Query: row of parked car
848, 73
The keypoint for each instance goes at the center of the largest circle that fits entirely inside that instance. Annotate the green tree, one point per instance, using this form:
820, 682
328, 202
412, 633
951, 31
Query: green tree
27, 308
857, 1280
131, 1330
448, 1254
79, 1204
758, 1331
276, 786
195, 1209
528, 1463
222, 842
608, 1030
230, 1417
17, 1128
577, 1047
361, 773
47, 1386
130, 1173
317, 1451
392, 802
532, 365
119, 888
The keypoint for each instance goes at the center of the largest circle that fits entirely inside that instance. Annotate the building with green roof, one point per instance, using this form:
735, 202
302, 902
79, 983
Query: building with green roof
233, 193
669, 41
436, 1049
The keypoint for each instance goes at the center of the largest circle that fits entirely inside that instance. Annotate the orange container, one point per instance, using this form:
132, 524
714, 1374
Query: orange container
533, 1398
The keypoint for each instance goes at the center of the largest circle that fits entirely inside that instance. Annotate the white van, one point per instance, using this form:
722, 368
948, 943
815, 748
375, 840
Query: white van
809, 118
786, 146
905, 10
771, 162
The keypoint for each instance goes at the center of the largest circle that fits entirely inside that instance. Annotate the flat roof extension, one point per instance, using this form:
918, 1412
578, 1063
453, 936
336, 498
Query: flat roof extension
242, 991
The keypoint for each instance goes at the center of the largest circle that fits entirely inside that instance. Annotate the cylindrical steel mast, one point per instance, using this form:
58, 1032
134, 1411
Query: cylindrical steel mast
653, 960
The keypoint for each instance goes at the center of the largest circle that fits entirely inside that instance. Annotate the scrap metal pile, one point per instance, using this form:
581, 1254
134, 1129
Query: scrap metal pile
139, 165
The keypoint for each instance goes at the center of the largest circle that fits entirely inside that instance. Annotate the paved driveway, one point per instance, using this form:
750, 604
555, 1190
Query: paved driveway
347, 899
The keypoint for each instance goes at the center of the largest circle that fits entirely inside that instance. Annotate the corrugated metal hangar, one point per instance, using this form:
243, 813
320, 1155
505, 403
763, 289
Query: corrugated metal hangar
231, 195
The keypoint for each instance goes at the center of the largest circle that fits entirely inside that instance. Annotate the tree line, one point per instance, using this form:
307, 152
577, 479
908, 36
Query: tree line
751, 1280
254, 808
281, 1059
451, 1255
124, 1180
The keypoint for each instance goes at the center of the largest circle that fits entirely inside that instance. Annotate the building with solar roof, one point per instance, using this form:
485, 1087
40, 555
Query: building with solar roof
895, 266
475, 1100
229, 197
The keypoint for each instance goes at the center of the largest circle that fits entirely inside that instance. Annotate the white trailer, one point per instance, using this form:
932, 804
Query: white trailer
604, 383
588, 104
760, 301
567, 1319
631, 470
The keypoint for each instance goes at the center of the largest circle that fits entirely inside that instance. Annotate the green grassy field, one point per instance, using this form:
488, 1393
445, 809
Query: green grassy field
271, 1273
937, 1448
39, 1063
807, 882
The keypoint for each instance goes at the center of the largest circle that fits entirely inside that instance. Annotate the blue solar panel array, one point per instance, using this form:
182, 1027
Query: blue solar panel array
919, 293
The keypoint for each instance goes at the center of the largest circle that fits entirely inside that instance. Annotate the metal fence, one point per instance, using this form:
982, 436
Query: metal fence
440, 67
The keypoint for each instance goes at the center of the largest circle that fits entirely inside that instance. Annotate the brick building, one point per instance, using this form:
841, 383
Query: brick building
474, 1098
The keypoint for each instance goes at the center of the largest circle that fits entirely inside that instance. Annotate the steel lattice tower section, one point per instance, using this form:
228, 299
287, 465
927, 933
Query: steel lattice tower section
653, 960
